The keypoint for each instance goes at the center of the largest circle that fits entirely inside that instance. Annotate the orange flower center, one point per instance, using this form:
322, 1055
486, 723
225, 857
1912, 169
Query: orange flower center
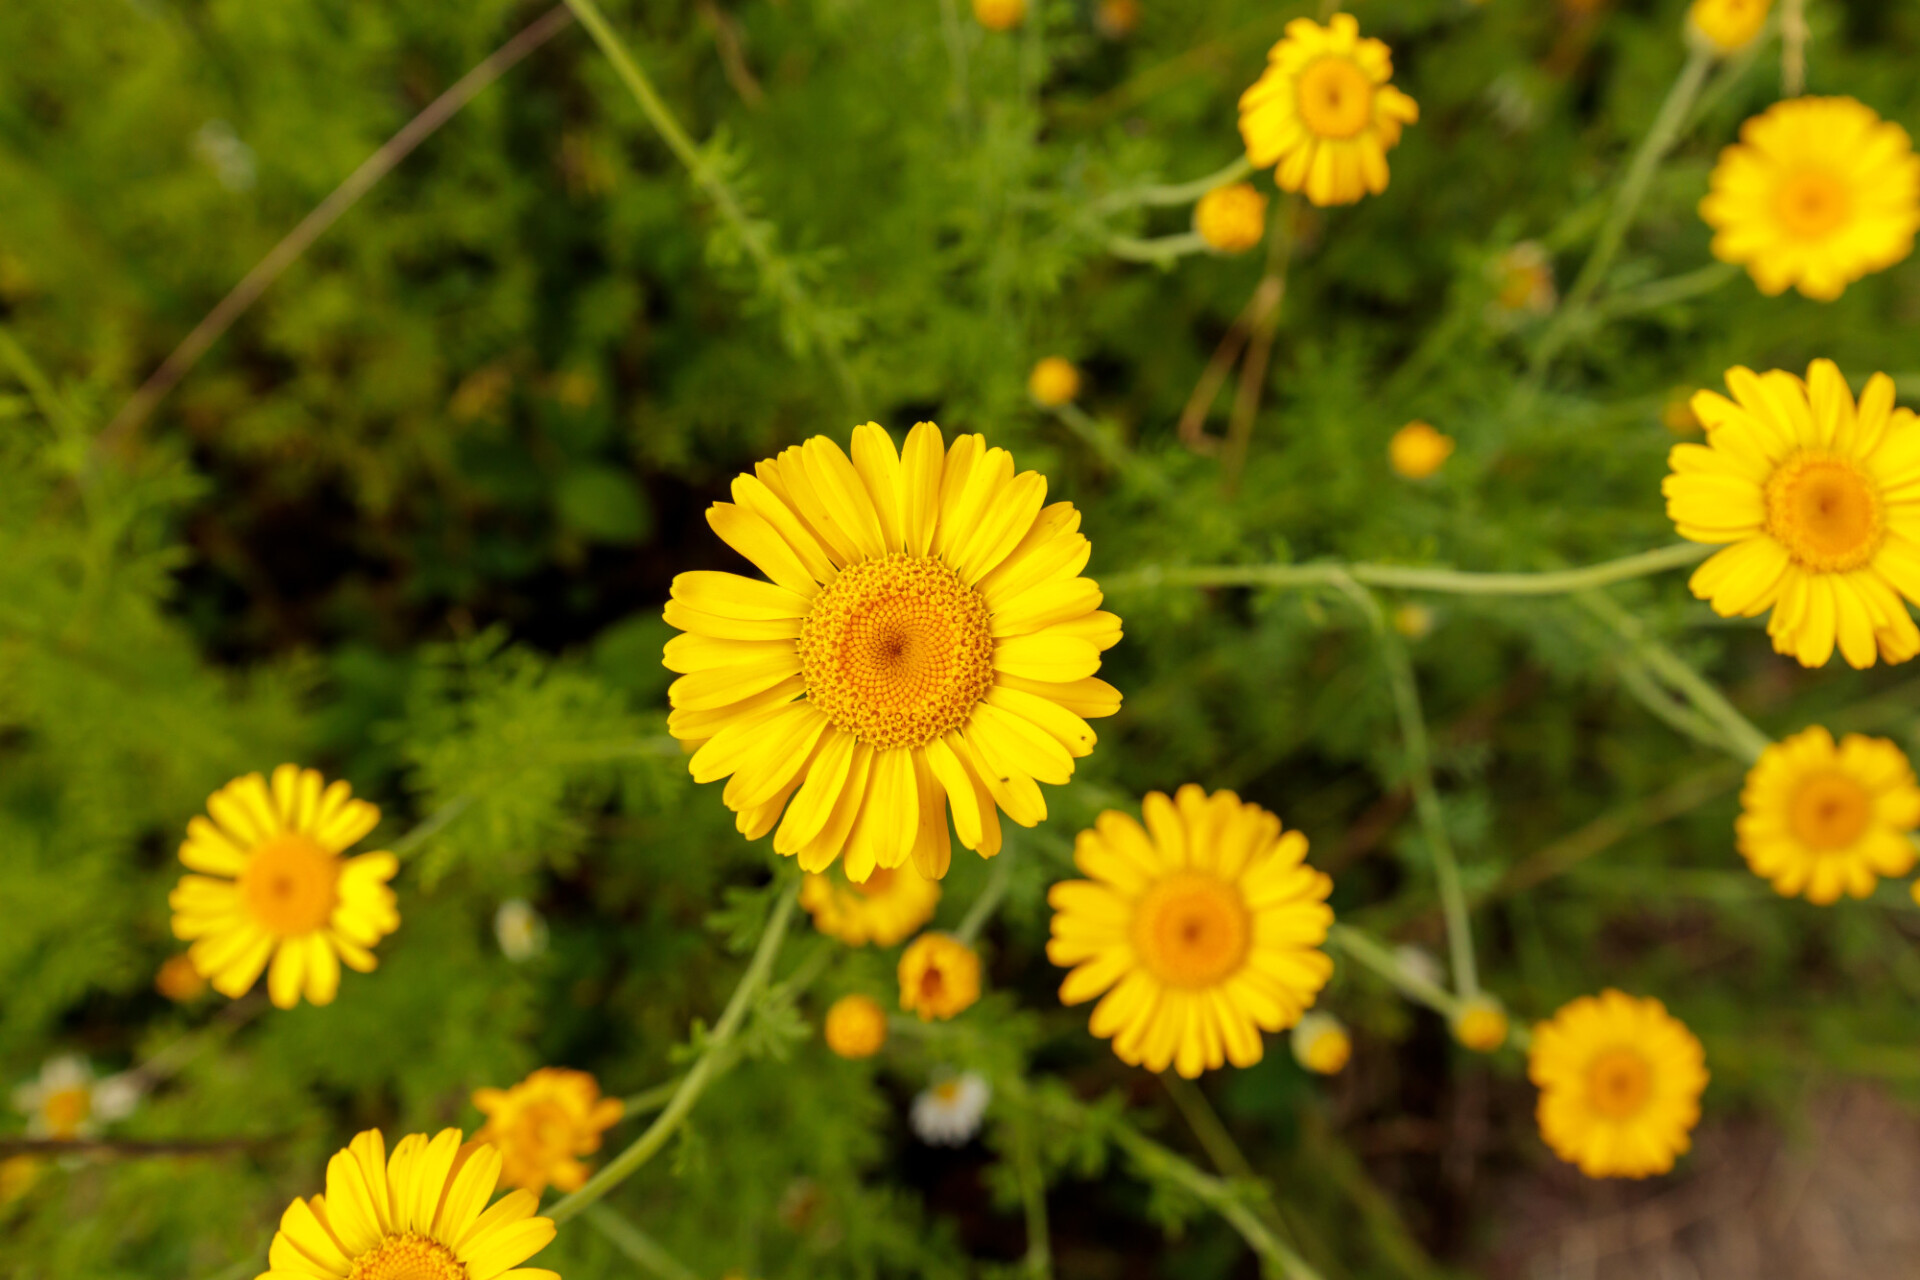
408, 1257
933, 985
1335, 97
1619, 1082
1812, 203
1825, 512
1829, 812
289, 885
947, 1091
1192, 930
897, 651
65, 1110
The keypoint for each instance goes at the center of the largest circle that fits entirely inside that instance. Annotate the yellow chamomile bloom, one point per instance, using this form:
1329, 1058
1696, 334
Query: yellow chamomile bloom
926, 643
856, 1027
1202, 929
1620, 1082
885, 908
1054, 382
939, 976
1817, 193
179, 981
1416, 450
1231, 219
1820, 819
1818, 501
421, 1215
542, 1126
273, 886
1324, 113
68, 1101
1481, 1024
999, 15
1321, 1044
1726, 27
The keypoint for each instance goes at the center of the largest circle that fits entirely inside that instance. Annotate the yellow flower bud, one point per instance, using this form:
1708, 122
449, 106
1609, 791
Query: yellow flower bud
1482, 1024
1413, 621
1726, 27
999, 15
179, 981
1231, 219
1053, 382
1321, 1044
939, 976
856, 1027
1417, 450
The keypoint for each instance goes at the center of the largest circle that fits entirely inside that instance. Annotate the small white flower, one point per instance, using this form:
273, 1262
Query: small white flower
1419, 963
67, 1102
221, 150
947, 1113
521, 930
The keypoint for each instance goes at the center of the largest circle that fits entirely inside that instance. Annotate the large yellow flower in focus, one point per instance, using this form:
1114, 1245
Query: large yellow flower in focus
416, 1216
1620, 1082
1325, 113
926, 643
1817, 193
1819, 502
1821, 820
542, 1126
885, 908
274, 887
1203, 929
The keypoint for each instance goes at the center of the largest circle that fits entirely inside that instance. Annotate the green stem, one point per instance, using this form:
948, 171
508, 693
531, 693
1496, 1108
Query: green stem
1161, 250
638, 1245
650, 1100
1207, 1126
695, 1082
1647, 692
1453, 581
1737, 733
1174, 193
1033, 1198
989, 900
1664, 293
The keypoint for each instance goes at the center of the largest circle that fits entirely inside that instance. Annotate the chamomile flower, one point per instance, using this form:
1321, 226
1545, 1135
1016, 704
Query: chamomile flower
939, 977
543, 1125
68, 1101
856, 1027
948, 1112
1820, 819
1620, 1082
884, 908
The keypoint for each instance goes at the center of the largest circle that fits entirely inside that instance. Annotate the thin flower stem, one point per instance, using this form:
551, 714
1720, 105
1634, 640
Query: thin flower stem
1664, 293
956, 39
1794, 34
989, 900
1175, 193
1208, 1128
648, 1101
638, 1245
1639, 682
1451, 581
1738, 734
1033, 1198
1270, 294
430, 826
695, 1082
1161, 250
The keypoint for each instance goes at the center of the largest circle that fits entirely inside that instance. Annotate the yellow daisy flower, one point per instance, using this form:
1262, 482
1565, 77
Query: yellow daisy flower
1231, 219
939, 977
542, 1124
1817, 193
1206, 925
1324, 112
1819, 820
1819, 502
856, 1027
276, 888
885, 908
1620, 1082
1416, 450
1321, 1044
1053, 382
416, 1216
926, 642
1727, 26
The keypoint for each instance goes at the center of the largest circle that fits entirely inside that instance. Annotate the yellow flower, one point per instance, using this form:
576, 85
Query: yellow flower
17, 1176
542, 1124
1413, 620
886, 908
1727, 26
1819, 820
1324, 112
1417, 450
999, 15
939, 976
417, 1216
1481, 1024
1116, 19
275, 887
1523, 282
179, 981
1321, 1044
926, 642
1620, 1082
1053, 382
1817, 193
1203, 928
1232, 218
1819, 501
856, 1027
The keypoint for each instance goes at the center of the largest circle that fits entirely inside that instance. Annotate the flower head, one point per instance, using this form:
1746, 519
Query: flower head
273, 887
1053, 382
1817, 193
1325, 113
416, 1216
67, 1101
1203, 929
948, 1112
1416, 450
1231, 219
1523, 283
926, 643
856, 1027
885, 908
939, 976
1413, 620
1116, 19
1726, 27
1321, 1044
178, 980
1481, 1024
1818, 501
1620, 1082
520, 930
999, 15
541, 1125
1819, 820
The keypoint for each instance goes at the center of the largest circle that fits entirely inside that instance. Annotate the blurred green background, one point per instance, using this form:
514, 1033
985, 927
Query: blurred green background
412, 521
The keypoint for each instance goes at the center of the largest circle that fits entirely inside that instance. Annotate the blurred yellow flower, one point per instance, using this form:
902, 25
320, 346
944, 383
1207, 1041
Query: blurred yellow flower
856, 1027
884, 908
999, 15
1481, 1024
274, 887
1321, 1044
1819, 502
1620, 1082
1413, 620
178, 980
1817, 193
1727, 26
1053, 382
1325, 113
17, 1176
1819, 819
543, 1124
1523, 281
1116, 19
1416, 450
1231, 219
1202, 929
939, 977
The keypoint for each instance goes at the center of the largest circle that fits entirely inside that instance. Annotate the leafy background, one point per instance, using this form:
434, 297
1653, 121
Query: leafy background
412, 521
